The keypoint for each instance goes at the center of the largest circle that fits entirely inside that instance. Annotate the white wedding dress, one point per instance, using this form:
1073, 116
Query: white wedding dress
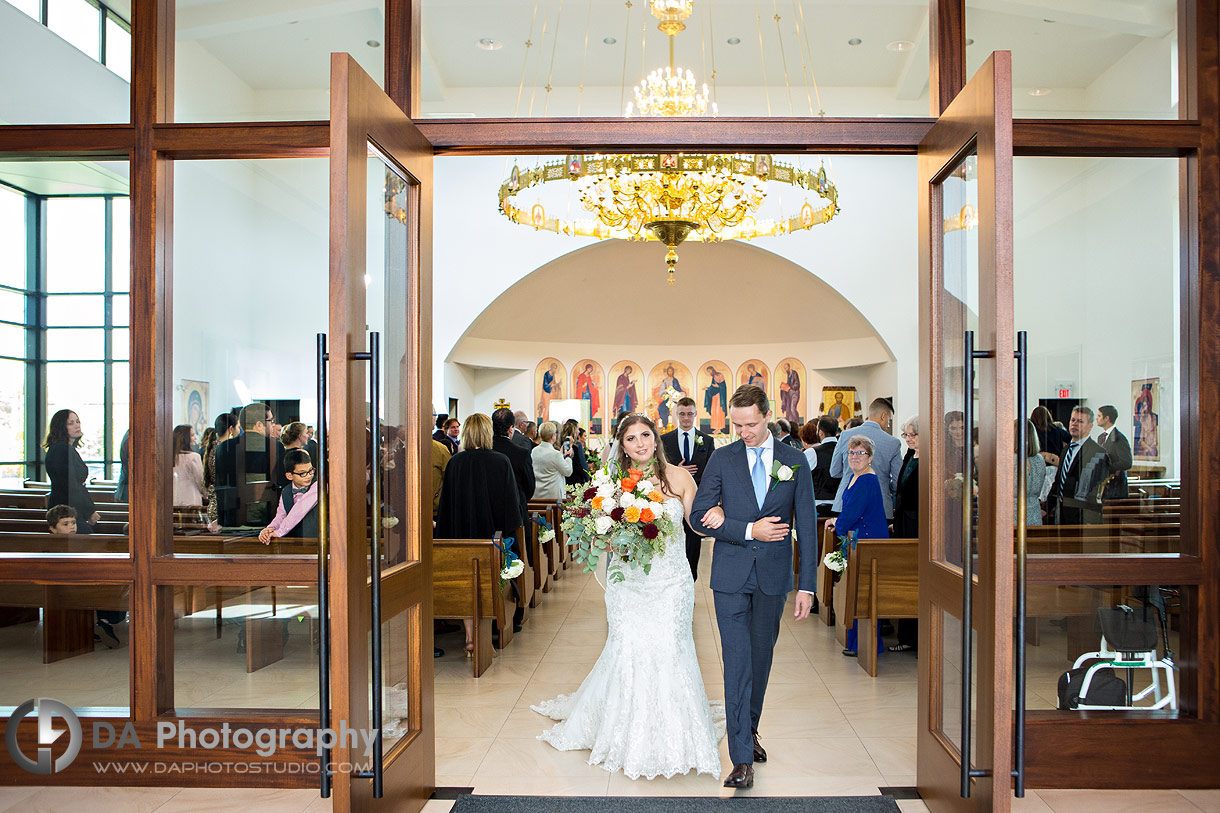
643, 709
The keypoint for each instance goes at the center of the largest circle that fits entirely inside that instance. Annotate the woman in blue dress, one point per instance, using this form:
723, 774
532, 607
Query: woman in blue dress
863, 509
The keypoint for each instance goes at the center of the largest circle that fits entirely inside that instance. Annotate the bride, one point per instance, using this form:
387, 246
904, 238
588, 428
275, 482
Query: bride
643, 708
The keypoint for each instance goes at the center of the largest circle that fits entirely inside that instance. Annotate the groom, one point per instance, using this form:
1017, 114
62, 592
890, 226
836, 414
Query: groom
751, 491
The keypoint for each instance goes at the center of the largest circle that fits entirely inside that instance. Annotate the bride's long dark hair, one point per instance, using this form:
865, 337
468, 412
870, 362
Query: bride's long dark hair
624, 461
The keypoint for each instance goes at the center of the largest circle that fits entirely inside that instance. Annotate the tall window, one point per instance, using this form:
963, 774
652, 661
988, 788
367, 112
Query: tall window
64, 270
90, 25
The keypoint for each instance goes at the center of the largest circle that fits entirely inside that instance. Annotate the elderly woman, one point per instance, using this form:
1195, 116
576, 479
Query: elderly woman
863, 509
479, 495
551, 466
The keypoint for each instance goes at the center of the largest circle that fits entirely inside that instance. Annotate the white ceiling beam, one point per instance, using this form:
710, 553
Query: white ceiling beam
913, 76
239, 16
1106, 15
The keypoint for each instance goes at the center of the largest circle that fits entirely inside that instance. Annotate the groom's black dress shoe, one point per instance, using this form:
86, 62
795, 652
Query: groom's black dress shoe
741, 777
760, 754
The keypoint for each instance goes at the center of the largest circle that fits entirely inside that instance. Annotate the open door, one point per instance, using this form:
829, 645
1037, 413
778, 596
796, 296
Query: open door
378, 375
965, 747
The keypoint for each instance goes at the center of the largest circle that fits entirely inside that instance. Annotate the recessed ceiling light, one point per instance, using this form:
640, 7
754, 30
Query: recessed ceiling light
488, 44
969, 41
609, 40
1040, 92
373, 44
734, 40
900, 45
854, 41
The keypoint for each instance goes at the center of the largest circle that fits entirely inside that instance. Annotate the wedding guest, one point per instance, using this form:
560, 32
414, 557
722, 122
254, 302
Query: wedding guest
551, 465
120, 488
68, 473
785, 433
571, 432
1035, 476
1075, 497
479, 496
863, 509
440, 460
906, 520
887, 459
1052, 437
517, 435
1118, 450
188, 469
252, 457
825, 487
61, 519
852, 423
523, 465
225, 427
292, 436
296, 515
447, 431
531, 433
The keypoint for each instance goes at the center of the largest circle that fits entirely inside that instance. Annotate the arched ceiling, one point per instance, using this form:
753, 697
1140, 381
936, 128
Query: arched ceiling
614, 292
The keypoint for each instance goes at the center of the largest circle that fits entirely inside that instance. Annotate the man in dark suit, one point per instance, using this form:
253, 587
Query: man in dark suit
502, 427
517, 434
448, 430
688, 447
1118, 450
784, 435
825, 487
1075, 497
248, 477
755, 493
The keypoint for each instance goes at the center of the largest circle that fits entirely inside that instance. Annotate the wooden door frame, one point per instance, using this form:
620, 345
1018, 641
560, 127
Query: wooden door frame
361, 113
981, 114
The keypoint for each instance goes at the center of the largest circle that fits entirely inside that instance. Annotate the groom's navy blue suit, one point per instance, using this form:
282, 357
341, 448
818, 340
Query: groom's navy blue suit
751, 579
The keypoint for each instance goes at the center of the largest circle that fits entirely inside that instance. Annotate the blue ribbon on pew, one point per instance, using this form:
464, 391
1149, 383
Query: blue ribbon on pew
539, 519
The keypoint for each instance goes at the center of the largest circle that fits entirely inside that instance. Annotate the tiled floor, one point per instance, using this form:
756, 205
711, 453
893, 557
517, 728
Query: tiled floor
829, 729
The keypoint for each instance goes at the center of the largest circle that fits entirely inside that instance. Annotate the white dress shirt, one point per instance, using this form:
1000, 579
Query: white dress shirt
694, 440
768, 457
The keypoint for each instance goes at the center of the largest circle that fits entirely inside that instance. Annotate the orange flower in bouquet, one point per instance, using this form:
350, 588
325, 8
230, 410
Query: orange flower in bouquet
646, 515
632, 513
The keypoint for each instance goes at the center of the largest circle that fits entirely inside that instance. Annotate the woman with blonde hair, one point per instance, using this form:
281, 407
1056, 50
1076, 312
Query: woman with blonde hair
551, 465
478, 496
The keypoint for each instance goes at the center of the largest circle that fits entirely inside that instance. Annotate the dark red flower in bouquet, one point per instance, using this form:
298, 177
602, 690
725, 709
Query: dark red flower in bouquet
650, 531
590, 493
578, 511
617, 514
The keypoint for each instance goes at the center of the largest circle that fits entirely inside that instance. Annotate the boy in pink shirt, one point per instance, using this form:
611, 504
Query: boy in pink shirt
297, 511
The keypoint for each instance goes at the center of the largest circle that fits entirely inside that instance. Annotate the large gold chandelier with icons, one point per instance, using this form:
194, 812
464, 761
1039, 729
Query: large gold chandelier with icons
671, 197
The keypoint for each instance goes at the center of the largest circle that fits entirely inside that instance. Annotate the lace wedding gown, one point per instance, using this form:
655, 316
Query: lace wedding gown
643, 708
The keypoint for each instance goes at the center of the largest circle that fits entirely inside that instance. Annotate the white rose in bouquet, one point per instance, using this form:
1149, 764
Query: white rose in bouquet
603, 524
627, 500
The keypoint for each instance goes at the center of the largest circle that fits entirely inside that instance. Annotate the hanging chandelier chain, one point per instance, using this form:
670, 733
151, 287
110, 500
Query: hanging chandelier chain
626, 34
546, 16
783, 57
800, 4
762, 52
804, 64
551, 69
580, 90
529, 43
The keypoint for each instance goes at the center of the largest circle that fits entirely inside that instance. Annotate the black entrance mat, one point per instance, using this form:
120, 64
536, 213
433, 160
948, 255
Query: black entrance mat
666, 804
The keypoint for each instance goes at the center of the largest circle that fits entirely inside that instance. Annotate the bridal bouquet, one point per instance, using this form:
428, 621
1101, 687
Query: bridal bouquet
617, 514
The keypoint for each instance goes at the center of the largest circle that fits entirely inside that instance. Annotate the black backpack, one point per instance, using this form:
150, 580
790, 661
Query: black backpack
1105, 689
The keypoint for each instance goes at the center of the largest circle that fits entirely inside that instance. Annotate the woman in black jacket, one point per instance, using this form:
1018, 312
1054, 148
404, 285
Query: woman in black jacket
906, 520
478, 496
67, 472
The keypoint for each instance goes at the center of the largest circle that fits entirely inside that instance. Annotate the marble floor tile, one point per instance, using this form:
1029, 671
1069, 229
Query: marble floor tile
461, 755
1206, 800
99, 799
1116, 801
270, 800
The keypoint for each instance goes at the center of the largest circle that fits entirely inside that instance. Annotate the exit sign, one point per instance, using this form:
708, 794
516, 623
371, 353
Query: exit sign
1065, 393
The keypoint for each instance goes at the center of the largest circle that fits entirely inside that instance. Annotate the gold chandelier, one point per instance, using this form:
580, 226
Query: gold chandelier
671, 197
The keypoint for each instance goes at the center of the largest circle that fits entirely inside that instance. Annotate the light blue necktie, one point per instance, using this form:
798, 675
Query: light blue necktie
758, 476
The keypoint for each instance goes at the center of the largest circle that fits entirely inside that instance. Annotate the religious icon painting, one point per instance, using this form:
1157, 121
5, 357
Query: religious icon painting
754, 372
668, 382
712, 390
1146, 418
762, 165
576, 163
839, 403
789, 392
628, 385
588, 384
514, 180
548, 386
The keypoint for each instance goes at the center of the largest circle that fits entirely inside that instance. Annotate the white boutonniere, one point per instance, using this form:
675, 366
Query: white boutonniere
781, 473
698, 440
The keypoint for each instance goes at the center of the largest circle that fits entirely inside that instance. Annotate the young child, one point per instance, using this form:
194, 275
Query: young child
62, 519
297, 513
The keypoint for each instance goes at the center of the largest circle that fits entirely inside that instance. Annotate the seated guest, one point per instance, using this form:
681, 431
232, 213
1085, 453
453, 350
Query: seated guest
61, 519
523, 465
188, 469
225, 427
825, 487
440, 459
863, 509
572, 432
67, 472
297, 513
551, 466
479, 496
249, 470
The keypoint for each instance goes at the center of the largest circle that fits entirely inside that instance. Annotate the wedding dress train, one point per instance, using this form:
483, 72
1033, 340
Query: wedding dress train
642, 708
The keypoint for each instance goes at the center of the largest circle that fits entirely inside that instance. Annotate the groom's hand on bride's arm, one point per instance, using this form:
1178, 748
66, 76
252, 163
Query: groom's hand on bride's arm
713, 518
768, 529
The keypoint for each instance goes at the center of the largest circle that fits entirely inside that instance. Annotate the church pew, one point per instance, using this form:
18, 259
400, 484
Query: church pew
466, 584
826, 580
540, 563
881, 581
550, 511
